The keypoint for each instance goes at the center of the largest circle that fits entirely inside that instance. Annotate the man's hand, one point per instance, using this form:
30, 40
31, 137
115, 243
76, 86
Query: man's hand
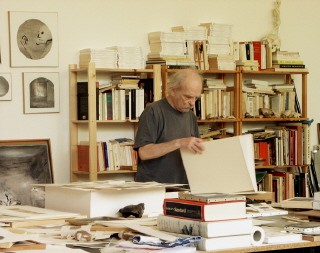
193, 144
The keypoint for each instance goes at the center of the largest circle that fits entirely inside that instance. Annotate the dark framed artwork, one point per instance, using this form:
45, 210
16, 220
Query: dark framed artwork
33, 39
22, 164
41, 92
5, 87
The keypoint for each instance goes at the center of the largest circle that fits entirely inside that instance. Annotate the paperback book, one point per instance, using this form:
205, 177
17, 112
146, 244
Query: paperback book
204, 229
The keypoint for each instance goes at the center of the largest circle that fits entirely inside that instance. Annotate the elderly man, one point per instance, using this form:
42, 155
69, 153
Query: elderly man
167, 125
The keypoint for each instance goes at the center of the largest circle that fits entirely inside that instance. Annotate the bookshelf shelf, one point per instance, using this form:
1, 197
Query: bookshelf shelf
106, 172
273, 119
92, 128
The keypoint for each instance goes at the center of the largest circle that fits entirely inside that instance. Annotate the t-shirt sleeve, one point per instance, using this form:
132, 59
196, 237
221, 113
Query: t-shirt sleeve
146, 129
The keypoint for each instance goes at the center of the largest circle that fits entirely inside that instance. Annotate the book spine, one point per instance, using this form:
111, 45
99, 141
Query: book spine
257, 52
189, 211
287, 62
82, 100
306, 144
289, 65
109, 105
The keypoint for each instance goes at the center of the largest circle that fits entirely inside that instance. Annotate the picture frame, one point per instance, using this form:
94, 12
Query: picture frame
33, 39
22, 164
41, 92
5, 87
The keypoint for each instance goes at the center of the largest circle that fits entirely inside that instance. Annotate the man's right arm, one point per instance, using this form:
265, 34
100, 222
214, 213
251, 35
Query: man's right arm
151, 151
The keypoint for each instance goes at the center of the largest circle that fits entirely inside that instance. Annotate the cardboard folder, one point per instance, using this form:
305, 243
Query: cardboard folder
226, 166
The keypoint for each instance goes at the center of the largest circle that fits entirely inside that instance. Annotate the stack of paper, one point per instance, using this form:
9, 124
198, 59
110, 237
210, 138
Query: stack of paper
103, 58
195, 33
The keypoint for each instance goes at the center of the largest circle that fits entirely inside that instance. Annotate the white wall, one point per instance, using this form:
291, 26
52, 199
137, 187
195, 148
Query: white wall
101, 23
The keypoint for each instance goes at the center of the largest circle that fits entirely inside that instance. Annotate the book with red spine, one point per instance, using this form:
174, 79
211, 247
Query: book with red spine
201, 211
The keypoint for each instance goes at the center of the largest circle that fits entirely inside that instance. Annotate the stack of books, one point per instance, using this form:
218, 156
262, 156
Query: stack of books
167, 43
221, 62
220, 219
168, 48
287, 61
192, 33
219, 47
252, 65
196, 41
103, 58
129, 57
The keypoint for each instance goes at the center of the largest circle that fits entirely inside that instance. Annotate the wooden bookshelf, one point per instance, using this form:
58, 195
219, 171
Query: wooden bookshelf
92, 127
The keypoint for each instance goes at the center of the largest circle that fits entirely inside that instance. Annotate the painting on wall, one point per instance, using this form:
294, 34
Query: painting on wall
5, 86
41, 92
33, 39
23, 163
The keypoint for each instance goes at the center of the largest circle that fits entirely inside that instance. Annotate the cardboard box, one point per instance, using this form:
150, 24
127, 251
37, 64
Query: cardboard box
96, 200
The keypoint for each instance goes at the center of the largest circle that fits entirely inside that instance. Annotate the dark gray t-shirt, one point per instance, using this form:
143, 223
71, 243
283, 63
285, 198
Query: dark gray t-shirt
160, 123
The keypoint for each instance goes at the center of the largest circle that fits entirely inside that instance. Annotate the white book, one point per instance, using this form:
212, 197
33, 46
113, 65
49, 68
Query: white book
110, 156
224, 242
140, 101
122, 104
275, 235
203, 108
204, 229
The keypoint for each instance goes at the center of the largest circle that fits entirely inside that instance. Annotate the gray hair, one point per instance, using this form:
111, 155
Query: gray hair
179, 78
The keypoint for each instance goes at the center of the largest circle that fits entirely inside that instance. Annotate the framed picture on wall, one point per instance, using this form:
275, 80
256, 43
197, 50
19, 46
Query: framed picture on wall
5, 86
33, 39
41, 92
23, 163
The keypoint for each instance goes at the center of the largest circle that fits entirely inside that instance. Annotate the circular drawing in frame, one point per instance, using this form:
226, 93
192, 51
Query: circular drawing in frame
4, 86
41, 93
34, 39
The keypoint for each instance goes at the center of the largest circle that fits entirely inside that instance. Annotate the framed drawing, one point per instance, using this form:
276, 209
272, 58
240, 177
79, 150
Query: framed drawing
41, 92
5, 86
33, 39
23, 163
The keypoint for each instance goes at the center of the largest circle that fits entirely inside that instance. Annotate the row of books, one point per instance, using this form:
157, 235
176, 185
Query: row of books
259, 56
119, 100
121, 104
286, 184
111, 155
215, 103
253, 51
279, 100
284, 144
